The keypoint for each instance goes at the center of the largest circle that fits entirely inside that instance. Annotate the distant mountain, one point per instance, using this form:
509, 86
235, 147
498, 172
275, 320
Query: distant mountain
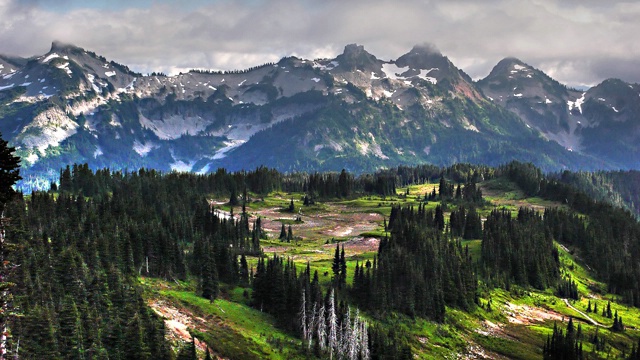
356, 112
602, 122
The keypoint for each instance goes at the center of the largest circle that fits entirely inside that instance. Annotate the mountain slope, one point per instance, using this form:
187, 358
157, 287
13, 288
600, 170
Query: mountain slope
601, 122
355, 111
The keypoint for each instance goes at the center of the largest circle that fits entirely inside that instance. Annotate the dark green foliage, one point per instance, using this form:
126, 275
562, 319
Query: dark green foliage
9, 171
79, 258
465, 223
418, 270
563, 346
390, 344
619, 188
598, 235
635, 352
9, 174
519, 250
567, 288
188, 352
283, 233
277, 289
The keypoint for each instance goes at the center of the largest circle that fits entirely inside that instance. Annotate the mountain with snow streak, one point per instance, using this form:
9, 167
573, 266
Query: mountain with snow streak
354, 111
602, 121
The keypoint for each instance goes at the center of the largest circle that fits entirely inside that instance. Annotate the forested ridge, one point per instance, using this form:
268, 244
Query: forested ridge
79, 249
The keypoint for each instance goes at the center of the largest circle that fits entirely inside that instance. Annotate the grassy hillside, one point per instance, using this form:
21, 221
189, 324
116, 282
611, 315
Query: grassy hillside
511, 323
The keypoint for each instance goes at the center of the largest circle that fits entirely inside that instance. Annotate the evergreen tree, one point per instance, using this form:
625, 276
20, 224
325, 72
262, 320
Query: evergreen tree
335, 266
9, 175
70, 334
188, 352
209, 277
342, 283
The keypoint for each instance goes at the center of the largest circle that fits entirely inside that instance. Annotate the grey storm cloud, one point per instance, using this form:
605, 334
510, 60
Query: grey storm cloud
578, 42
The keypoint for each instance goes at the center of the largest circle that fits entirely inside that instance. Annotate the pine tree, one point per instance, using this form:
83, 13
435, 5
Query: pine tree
335, 266
188, 352
283, 233
343, 270
71, 332
209, 276
9, 175
244, 271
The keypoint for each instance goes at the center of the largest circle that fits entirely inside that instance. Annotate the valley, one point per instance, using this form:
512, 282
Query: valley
514, 327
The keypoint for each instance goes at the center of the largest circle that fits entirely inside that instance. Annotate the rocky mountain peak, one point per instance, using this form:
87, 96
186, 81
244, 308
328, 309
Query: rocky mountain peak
424, 57
510, 68
59, 46
355, 57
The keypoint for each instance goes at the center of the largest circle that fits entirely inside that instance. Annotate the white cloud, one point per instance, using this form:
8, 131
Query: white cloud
579, 42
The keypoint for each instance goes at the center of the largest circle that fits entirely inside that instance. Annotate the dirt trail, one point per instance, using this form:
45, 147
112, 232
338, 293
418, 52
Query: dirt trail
583, 314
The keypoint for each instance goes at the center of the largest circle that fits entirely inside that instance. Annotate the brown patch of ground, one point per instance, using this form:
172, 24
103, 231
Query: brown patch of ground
527, 315
475, 351
336, 221
494, 330
357, 245
178, 322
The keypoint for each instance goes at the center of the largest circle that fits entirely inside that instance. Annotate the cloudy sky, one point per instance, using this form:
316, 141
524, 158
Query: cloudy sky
578, 42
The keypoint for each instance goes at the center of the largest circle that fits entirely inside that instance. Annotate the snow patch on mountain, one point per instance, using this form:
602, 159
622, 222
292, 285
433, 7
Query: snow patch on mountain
32, 158
143, 148
577, 104
228, 146
50, 57
49, 128
97, 152
393, 71
423, 75
174, 127
115, 121
182, 166
65, 67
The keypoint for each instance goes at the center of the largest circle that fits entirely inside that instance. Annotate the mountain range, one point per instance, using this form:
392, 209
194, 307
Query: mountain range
355, 112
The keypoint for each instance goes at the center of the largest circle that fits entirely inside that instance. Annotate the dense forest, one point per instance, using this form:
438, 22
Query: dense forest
606, 236
72, 256
80, 247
